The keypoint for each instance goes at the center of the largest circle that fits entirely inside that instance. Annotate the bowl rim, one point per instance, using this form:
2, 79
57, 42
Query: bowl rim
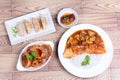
63, 11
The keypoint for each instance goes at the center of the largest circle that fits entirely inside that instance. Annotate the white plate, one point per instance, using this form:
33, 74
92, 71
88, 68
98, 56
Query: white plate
67, 10
98, 63
19, 63
13, 22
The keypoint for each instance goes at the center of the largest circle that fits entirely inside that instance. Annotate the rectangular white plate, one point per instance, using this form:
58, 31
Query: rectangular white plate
13, 22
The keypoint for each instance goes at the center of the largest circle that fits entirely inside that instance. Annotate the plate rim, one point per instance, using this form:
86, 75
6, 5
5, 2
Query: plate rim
73, 32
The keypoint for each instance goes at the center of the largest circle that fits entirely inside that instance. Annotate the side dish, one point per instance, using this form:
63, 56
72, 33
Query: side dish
67, 19
30, 26
86, 61
84, 41
36, 55
37, 24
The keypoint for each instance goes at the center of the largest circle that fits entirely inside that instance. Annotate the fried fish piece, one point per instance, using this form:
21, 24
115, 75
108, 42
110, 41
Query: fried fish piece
36, 24
44, 21
84, 41
20, 29
28, 26
69, 53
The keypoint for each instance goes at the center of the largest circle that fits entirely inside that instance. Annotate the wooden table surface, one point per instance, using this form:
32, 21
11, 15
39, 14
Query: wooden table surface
103, 13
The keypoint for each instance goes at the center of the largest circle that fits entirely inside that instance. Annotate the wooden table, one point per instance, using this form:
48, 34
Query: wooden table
103, 13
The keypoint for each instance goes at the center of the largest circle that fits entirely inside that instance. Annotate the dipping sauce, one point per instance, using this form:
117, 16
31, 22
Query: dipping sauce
67, 19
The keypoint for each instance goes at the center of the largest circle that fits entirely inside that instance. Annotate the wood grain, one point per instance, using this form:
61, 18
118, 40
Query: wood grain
106, 21
5, 46
8, 63
22, 7
118, 20
115, 74
5, 13
55, 75
6, 76
103, 13
116, 62
112, 6
5, 9
94, 6
100, 6
52, 75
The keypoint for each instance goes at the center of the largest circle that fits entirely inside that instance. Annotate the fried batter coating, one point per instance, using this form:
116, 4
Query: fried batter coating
41, 54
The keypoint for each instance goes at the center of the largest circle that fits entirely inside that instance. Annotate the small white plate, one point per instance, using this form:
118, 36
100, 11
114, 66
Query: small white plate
98, 63
67, 10
19, 63
13, 22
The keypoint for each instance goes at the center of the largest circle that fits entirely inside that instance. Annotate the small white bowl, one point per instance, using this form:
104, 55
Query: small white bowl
19, 63
67, 10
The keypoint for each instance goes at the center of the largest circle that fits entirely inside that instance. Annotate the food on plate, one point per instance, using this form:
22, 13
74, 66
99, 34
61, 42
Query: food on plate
28, 26
48, 50
67, 19
86, 61
14, 31
84, 41
36, 55
44, 21
20, 29
37, 24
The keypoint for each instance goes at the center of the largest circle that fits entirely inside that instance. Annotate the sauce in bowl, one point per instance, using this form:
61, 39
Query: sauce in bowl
67, 19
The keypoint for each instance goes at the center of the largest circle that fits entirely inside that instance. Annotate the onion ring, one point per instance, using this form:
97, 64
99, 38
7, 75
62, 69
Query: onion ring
26, 62
43, 52
48, 50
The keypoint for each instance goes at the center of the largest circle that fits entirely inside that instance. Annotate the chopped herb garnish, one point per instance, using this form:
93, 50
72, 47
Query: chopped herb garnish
66, 18
86, 61
14, 31
34, 55
31, 56
83, 37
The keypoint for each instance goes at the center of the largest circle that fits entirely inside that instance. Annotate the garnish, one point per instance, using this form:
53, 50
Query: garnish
14, 31
31, 56
84, 37
66, 18
34, 55
86, 61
